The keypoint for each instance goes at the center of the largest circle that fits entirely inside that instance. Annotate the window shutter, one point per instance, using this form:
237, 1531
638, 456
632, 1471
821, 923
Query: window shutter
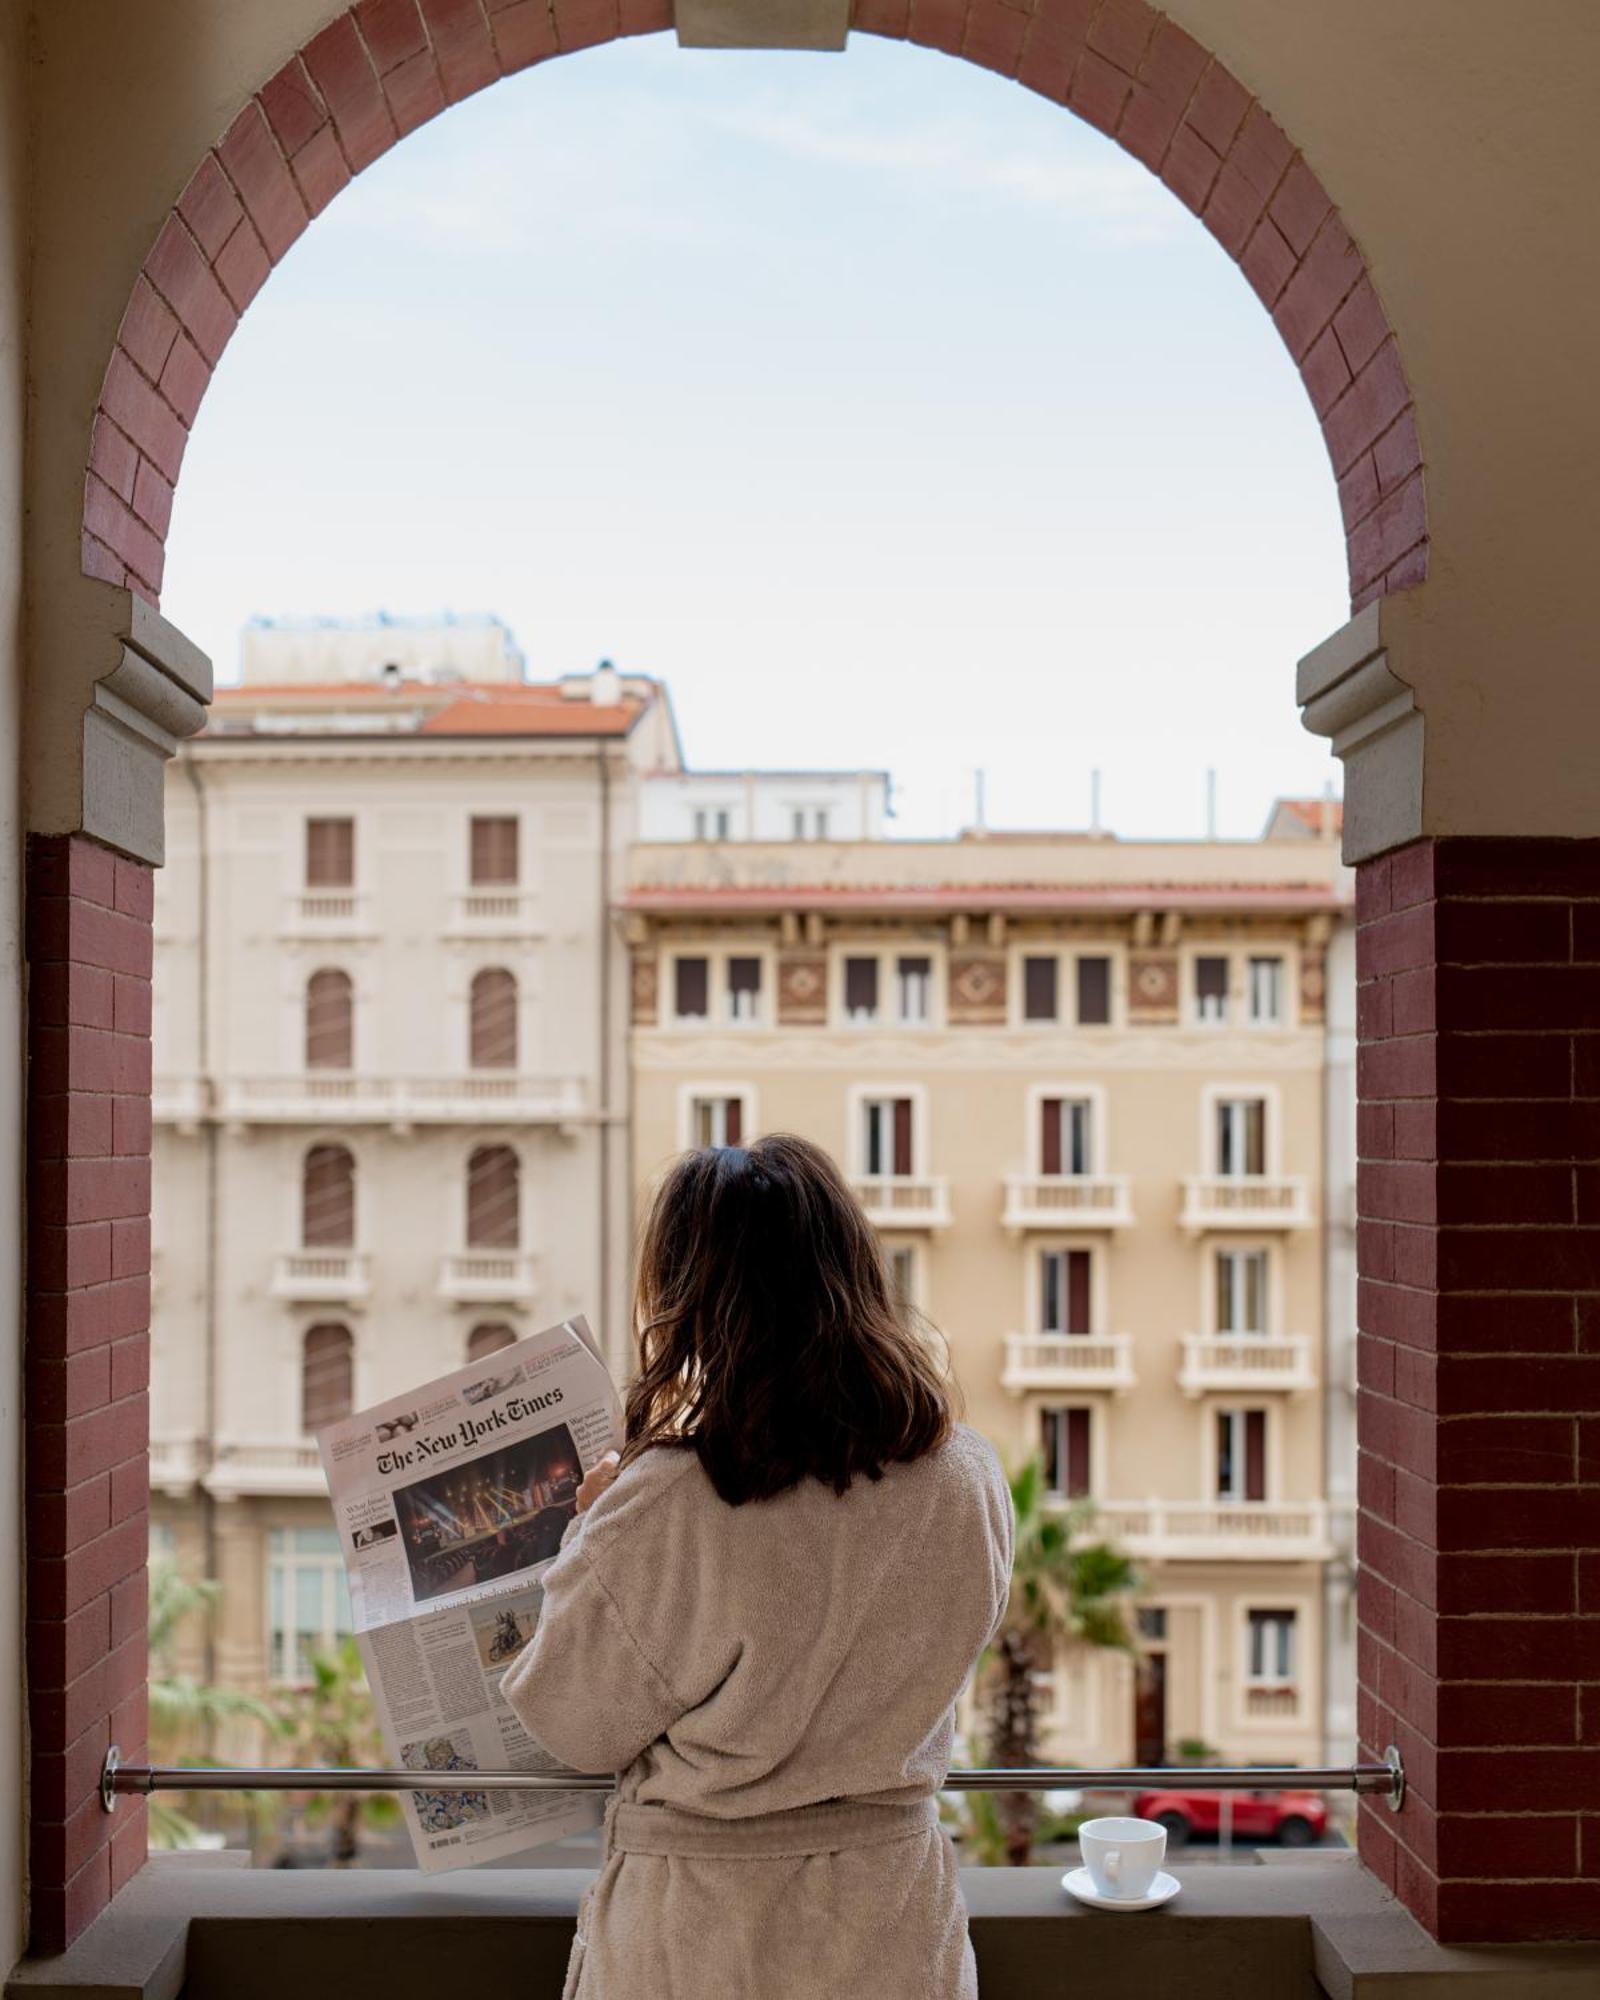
489, 1339
330, 1021
1077, 1454
1050, 1136
494, 1219
328, 1199
1039, 1002
1077, 1291
493, 1027
861, 985
494, 852
902, 1135
1255, 1136
733, 1121
691, 989
330, 853
1255, 1454
1094, 992
326, 1376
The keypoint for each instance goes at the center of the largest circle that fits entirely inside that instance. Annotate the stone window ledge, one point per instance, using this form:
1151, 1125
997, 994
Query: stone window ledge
208, 1927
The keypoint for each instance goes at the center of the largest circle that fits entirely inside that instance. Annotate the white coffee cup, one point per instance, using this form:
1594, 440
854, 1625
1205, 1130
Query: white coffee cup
1122, 1855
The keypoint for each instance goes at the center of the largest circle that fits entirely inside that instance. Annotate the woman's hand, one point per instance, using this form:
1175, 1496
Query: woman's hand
597, 1480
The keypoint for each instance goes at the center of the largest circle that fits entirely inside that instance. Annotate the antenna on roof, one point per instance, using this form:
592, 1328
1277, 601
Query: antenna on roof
1211, 803
977, 801
1094, 801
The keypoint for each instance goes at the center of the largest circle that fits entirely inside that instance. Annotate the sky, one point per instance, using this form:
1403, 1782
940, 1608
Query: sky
885, 410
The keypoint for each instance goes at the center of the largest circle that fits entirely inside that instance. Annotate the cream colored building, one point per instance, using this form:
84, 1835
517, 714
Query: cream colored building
385, 926
1080, 1085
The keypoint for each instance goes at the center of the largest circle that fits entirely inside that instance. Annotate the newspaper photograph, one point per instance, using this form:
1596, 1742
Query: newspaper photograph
450, 1502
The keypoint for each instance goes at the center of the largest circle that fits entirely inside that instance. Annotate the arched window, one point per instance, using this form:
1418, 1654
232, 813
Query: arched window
488, 1339
494, 1019
327, 1376
328, 1199
494, 1201
330, 1020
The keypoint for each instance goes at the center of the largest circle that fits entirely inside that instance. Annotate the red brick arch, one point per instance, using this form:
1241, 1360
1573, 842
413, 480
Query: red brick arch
386, 66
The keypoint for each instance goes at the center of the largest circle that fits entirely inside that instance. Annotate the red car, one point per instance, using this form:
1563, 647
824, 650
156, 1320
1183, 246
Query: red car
1293, 1819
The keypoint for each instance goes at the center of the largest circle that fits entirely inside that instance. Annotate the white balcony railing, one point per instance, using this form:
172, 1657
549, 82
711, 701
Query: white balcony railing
1271, 1701
1246, 1361
1067, 1201
498, 911
505, 1096
1067, 1361
178, 1100
905, 1201
486, 1277
174, 1464
1219, 1530
321, 1276
325, 913
273, 1466
1245, 1201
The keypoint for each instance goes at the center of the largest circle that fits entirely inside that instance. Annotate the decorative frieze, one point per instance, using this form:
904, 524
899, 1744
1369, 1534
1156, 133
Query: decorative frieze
802, 989
645, 985
1313, 985
977, 989
1152, 989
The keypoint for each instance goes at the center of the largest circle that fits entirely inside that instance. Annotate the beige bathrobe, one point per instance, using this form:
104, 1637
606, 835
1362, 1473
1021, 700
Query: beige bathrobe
775, 1684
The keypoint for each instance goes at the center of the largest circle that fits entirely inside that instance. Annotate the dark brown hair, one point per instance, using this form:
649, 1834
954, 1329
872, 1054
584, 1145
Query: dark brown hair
769, 1341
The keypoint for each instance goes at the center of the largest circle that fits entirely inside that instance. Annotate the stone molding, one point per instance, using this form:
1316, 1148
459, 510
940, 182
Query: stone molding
1349, 693
763, 24
155, 695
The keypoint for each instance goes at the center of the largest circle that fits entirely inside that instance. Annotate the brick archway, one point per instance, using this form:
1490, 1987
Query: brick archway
387, 66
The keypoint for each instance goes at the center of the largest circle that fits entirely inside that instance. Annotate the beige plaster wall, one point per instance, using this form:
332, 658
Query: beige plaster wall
13, 328
1456, 135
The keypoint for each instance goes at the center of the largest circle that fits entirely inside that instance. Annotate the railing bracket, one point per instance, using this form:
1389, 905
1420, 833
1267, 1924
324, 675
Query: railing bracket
1395, 1797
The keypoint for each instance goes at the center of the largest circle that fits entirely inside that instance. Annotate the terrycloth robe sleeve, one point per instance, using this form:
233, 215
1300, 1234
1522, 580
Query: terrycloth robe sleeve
590, 1686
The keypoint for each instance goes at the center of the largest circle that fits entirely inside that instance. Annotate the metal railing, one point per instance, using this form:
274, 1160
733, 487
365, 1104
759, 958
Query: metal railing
1387, 1779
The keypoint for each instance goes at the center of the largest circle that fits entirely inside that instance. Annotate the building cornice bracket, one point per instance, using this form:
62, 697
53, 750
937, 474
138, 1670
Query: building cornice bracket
154, 696
1349, 693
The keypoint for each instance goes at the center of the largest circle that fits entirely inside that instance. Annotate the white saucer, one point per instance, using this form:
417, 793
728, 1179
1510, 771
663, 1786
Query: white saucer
1080, 1883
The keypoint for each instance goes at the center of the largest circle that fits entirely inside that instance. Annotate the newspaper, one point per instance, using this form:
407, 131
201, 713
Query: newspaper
451, 1502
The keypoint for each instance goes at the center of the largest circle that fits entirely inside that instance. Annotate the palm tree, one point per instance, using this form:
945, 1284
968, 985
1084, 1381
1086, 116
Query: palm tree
1065, 1591
185, 1714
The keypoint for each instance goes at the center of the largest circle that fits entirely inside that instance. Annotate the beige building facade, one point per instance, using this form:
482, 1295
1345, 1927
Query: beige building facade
1079, 1084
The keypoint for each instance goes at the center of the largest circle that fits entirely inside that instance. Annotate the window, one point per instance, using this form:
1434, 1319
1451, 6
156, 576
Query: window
1094, 992
330, 853
886, 1136
913, 989
1211, 989
328, 1199
1266, 991
494, 859
1152, 1623
861, 989
1066, 1136
1040, 982
308, 1600
330, 1020
488, 1339
808, 823
691, 988
1241, 1454
712, 822
327, 1376
902, 1258
1242, 1291
744, 989
1064, 1291
716, 1121
1064, 1438
1241, 1136
494, 1199
492, 1032
1272, 1647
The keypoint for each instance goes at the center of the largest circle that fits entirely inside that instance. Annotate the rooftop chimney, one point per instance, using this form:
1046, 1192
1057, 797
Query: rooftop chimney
605, 686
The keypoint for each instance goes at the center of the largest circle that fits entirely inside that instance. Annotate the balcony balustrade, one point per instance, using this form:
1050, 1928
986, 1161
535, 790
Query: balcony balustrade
1067, 1201
1272, 1702
277, 1466
1245, 1201
1219, 1530
486, 1277
174, 1465
322, 1277
326, 913
1246, 1361
179, 1101
905, 1201
351, 1096
492, 912
1067, 1361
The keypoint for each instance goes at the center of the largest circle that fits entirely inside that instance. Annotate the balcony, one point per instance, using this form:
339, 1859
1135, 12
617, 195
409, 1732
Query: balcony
486, 1277
179, 1101
473, 1097
326, 913
1245, 1201
1219, 1530
905, 1201
1067, 1201
174, 1465
492, 912
1271, 1701
275, 1467
1246, 1361
321, 1277
1067, 1361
